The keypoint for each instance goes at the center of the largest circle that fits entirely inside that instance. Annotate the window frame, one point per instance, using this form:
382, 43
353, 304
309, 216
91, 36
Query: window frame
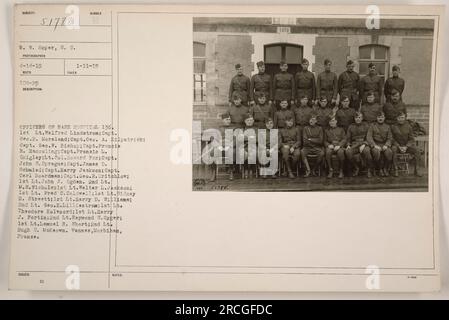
373, 59
203, 100
283, 46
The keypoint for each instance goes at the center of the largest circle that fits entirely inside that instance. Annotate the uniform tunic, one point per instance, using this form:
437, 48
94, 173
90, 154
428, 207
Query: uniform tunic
379, 134
260, 113
316, 136
305, 85
345, 116
269, 133
226, 140
335, 136
242, 85
291, 137
327, 85
302, 115
261, 83
280, 116
402, 134
348, 84
323, 116
371, 83
237, 115
356, 134
393, 83
250, 137
370, 111
220, 142
283, 86
392, 111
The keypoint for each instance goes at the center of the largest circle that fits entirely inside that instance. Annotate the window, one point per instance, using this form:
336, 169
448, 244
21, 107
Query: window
290, 53
376, 54
274, 53
199, 72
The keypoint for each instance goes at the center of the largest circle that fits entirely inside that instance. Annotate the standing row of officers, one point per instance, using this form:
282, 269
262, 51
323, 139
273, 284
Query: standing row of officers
286, 86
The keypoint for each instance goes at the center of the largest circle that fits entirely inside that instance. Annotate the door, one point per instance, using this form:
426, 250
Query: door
290, 53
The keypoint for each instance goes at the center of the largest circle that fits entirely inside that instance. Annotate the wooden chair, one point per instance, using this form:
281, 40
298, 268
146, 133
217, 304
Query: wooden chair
402, 162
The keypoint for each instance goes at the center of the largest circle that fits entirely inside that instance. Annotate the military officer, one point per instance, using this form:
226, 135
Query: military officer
393, 107
283, 85
312, 141
334, 143
261, 110
371, 82
345, 114
327, 83
370, 108
241, 84
323, 112
357, 144
305, 83
348, 85
290, 145
261, 83
218, 146
302, 113
237, 111
404, 142
250, 147
394, 83
379, 138
271, 148
282, 115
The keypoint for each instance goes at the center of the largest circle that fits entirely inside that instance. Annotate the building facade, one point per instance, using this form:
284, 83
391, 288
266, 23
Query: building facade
220, 43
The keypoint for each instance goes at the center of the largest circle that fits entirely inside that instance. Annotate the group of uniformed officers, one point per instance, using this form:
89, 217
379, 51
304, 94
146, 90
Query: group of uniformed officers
332, 118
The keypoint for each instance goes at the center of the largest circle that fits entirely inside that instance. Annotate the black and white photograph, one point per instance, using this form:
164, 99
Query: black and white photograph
211, 150
334, 103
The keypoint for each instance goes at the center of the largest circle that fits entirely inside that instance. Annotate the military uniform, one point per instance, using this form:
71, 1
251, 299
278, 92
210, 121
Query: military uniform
370, 111
312, 141
250, 144
280, 116
238, 114
380, 135
323, 116
372, 83
260, 113
242, 85
356, 137
261, 83
216, 144
337, 137
391, 84
327, 85
348, 85
392, 111
345, 117
227, 142
305, 85
302, 116
269, 145
403, 136
217, 151
290, 137
283, 87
